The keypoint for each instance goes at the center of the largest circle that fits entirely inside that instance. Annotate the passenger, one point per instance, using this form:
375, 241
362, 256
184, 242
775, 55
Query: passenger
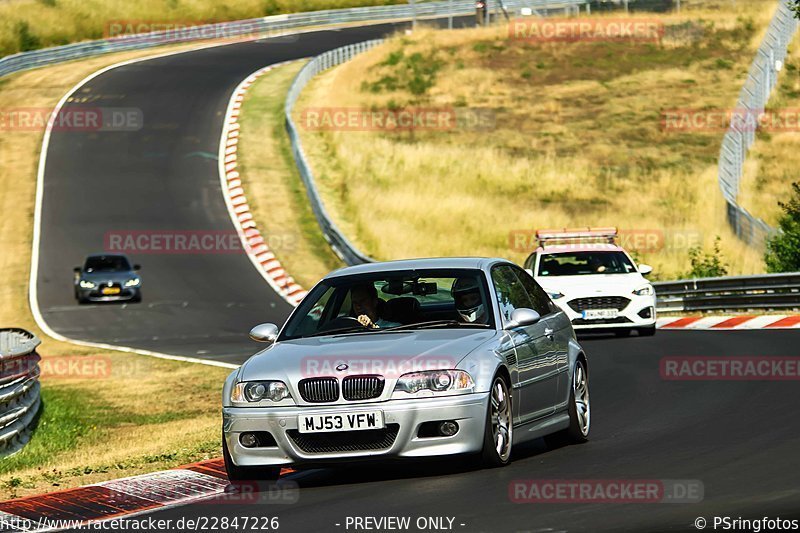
469, 303
365, 307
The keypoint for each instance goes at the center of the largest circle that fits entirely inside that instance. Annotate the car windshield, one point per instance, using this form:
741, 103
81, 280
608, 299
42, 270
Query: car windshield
585, 263
107, 263
391, 301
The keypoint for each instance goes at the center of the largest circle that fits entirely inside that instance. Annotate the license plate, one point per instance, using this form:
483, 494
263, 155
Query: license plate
111, 290
356, 421
600, 314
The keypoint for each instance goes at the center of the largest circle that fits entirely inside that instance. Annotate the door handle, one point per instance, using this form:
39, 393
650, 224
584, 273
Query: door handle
548, 332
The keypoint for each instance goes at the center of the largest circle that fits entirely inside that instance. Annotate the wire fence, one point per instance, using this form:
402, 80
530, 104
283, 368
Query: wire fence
753, 99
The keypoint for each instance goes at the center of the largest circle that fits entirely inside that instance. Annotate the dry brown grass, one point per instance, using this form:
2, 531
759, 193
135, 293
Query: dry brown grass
274, 190
91, 429
578, 140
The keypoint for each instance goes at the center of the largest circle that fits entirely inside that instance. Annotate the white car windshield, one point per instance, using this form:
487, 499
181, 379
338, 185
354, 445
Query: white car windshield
585, 263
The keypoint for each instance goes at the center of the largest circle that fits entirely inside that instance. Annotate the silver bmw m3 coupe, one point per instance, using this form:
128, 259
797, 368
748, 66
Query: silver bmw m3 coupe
407, 359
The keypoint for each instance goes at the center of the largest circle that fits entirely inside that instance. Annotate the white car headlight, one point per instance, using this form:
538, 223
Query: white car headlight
134, 282
257, 391
435, 381
555, 295
87, 284
647, 290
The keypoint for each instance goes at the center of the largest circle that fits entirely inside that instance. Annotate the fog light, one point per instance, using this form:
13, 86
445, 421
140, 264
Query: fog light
248, 440
448, 429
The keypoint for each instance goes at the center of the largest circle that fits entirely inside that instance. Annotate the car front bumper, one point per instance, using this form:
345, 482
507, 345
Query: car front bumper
406, 416
628, 318
95, 295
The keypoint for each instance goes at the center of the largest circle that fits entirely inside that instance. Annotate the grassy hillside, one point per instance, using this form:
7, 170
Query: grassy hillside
774, 158
30, 24
576, 138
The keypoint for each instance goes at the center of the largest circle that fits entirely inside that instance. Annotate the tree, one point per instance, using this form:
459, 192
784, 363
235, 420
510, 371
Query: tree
707, 265
783, 250
794, 5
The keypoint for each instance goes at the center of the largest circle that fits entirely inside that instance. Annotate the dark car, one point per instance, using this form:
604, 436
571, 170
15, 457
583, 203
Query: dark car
108, 278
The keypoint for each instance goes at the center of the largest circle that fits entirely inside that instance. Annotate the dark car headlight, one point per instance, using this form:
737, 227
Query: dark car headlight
435, 381
87, 284
133, 282
258, 391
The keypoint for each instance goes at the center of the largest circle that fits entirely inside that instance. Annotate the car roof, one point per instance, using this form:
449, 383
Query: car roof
94, 256
477, 263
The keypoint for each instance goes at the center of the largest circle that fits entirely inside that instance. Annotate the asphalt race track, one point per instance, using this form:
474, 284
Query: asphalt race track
162, 178
739, 439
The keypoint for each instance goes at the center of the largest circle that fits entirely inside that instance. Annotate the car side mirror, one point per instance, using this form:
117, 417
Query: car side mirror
645, 269
523, 317
137, 267
77, 270
264, 333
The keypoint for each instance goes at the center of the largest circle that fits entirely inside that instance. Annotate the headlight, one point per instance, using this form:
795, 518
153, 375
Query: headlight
436, 381
647, 290
87, 284
555, 295
133, 282
256, 391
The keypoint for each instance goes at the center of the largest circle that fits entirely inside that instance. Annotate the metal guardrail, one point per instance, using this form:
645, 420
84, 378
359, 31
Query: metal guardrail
19, 388
753, 99
737, 293
258, 27
338, 242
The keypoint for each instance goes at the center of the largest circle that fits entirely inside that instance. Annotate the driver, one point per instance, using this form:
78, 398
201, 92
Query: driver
597, 265
365, 307
469, 303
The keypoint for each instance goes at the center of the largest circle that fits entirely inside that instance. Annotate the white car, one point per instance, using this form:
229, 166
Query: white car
594, 281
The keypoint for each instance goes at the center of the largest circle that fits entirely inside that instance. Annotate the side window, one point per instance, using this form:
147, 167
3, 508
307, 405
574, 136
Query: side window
511, 293
541, 301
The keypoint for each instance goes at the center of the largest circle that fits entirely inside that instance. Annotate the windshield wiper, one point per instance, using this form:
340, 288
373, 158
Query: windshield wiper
436, 324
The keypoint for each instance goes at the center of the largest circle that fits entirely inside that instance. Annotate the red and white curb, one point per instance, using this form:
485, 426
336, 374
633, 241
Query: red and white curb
730, 322
68, 509
253, 240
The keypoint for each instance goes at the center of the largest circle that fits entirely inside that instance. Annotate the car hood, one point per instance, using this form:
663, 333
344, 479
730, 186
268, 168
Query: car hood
595, 284
388, 354
114, 277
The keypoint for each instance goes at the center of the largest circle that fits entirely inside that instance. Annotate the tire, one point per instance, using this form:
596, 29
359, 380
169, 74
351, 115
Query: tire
647, 332
247, 473
137, 299
579, 406
498, 429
